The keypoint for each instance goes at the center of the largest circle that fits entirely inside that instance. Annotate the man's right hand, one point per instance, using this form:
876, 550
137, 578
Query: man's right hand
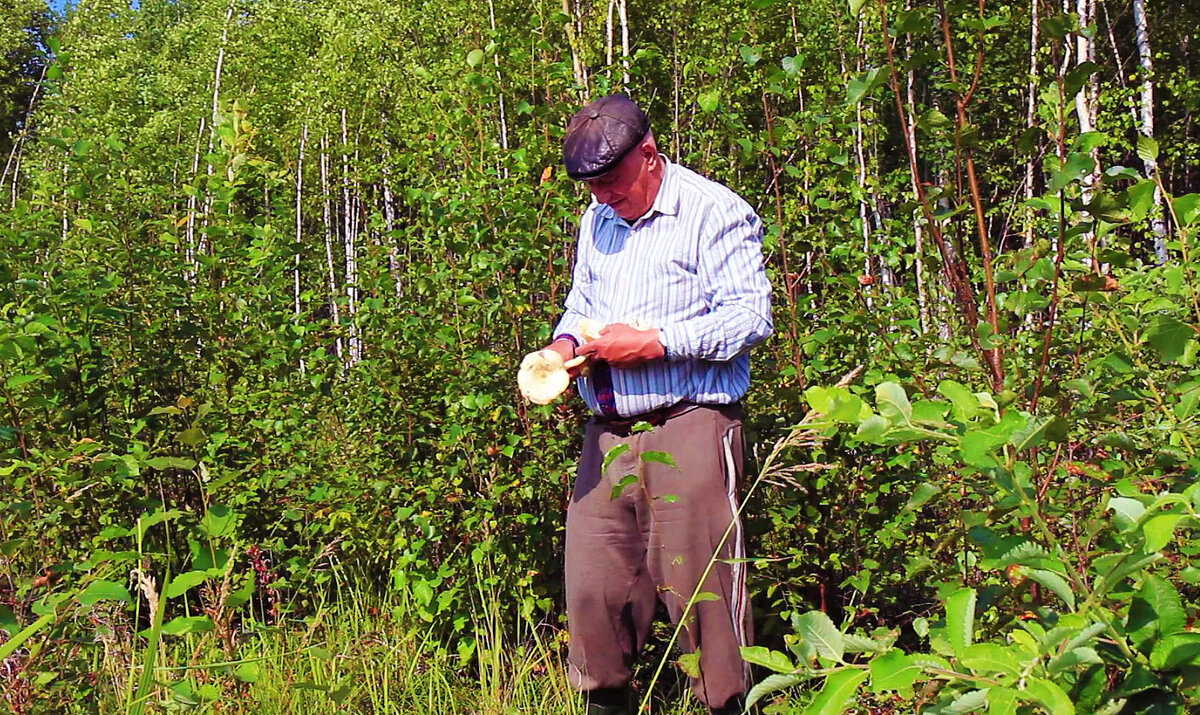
566, 349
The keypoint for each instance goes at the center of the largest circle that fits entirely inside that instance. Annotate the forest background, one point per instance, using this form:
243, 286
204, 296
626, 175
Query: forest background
269, 265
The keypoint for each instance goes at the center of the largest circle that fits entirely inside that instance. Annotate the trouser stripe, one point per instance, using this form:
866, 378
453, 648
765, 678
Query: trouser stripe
738, 601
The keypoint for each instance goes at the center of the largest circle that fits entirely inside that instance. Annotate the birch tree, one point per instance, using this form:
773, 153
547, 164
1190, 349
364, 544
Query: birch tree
1146, 127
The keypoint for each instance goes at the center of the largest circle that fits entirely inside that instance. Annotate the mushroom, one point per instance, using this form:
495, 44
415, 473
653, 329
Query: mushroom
543, 375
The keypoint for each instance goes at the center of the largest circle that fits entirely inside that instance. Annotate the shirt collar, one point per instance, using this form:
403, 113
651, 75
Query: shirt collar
665, 202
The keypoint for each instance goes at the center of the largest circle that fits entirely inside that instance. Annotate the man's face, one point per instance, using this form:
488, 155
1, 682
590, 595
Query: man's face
632, 184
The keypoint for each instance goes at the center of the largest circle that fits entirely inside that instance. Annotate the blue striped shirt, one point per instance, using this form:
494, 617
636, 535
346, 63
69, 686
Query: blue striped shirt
692, 266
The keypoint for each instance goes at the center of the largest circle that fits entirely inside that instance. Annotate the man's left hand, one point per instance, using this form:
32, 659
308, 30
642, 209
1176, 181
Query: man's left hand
621, 345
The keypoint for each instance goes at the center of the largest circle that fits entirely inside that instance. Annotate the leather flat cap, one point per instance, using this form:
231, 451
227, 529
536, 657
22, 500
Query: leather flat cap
601, 134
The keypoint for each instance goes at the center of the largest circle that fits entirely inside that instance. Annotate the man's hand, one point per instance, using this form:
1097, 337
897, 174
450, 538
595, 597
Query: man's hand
621, 345
566, 349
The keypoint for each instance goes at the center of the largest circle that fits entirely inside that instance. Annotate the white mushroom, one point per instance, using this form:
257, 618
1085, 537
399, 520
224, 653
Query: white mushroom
542, 377
590, 329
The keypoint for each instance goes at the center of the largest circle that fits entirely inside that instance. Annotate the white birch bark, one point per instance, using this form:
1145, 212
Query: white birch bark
335, 317
190, 228
918, 229
214, 114
623, 12
499, 85
349, 241
1031, 115
1085, 98
299, 222
1157, 224
608, 36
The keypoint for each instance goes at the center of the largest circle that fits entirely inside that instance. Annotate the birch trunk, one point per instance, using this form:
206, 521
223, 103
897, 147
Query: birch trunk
623, 12
1157, 224
573, 41
918, 229
499, 86
299, 225
213, 115
1085, 98
190, 230
1031, 116
349, 241
334, 315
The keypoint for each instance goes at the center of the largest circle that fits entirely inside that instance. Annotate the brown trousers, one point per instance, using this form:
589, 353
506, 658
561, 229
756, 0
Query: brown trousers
654, 540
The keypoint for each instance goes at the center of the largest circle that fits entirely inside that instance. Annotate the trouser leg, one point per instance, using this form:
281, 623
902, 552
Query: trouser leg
656, 538
610, 596
694, 518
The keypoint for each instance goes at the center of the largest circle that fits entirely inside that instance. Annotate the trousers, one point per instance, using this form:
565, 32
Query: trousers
649, 528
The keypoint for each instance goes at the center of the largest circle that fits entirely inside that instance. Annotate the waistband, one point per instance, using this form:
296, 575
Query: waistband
660, 416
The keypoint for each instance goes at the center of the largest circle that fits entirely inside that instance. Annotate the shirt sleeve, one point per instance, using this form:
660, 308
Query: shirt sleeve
731, 269
578, 303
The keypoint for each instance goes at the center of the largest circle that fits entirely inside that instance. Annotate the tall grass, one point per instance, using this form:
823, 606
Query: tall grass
359, 652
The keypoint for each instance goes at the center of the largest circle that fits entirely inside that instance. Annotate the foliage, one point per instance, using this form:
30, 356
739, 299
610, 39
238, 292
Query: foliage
268, 268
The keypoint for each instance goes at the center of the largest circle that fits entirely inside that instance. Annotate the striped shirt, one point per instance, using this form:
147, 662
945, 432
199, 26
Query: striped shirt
691, 266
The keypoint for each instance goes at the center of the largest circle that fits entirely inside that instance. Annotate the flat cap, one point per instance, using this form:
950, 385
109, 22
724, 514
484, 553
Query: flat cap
601, 134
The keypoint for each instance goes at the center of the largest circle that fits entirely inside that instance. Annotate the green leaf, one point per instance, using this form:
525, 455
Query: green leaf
977, 448
767, 658
1074, 658
1169, 336
1156, 611
1159, 530
611, 455
188, 624
170, 463
960, 619
660, 458
192, 437
619, 487
16, 381
98, 591
839, 688
791, 65
1055, 583
182, 583
689, 663
218, 520
750, 55
895, 670
1050, 695
818, 629
1140, 197
248, 672
1147, 149
966, 405
1187, 208
1175, 650
892, 402
474, 58
872, 429
771, 684
1003, 701
709, 101
966, 704
922, 494
1126, 511
856, 7
987, 658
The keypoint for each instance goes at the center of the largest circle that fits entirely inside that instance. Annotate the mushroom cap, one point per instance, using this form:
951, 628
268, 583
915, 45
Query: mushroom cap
542, 377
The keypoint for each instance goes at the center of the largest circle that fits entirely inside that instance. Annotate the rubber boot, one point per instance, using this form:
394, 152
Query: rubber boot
608, 701
735, 706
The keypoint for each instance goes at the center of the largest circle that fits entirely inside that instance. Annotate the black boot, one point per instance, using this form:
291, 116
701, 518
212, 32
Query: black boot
608, 701
734, 706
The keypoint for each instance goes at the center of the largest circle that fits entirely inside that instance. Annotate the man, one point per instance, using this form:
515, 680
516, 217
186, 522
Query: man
658, 246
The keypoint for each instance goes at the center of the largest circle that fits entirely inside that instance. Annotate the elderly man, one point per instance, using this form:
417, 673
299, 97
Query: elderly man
671, 264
